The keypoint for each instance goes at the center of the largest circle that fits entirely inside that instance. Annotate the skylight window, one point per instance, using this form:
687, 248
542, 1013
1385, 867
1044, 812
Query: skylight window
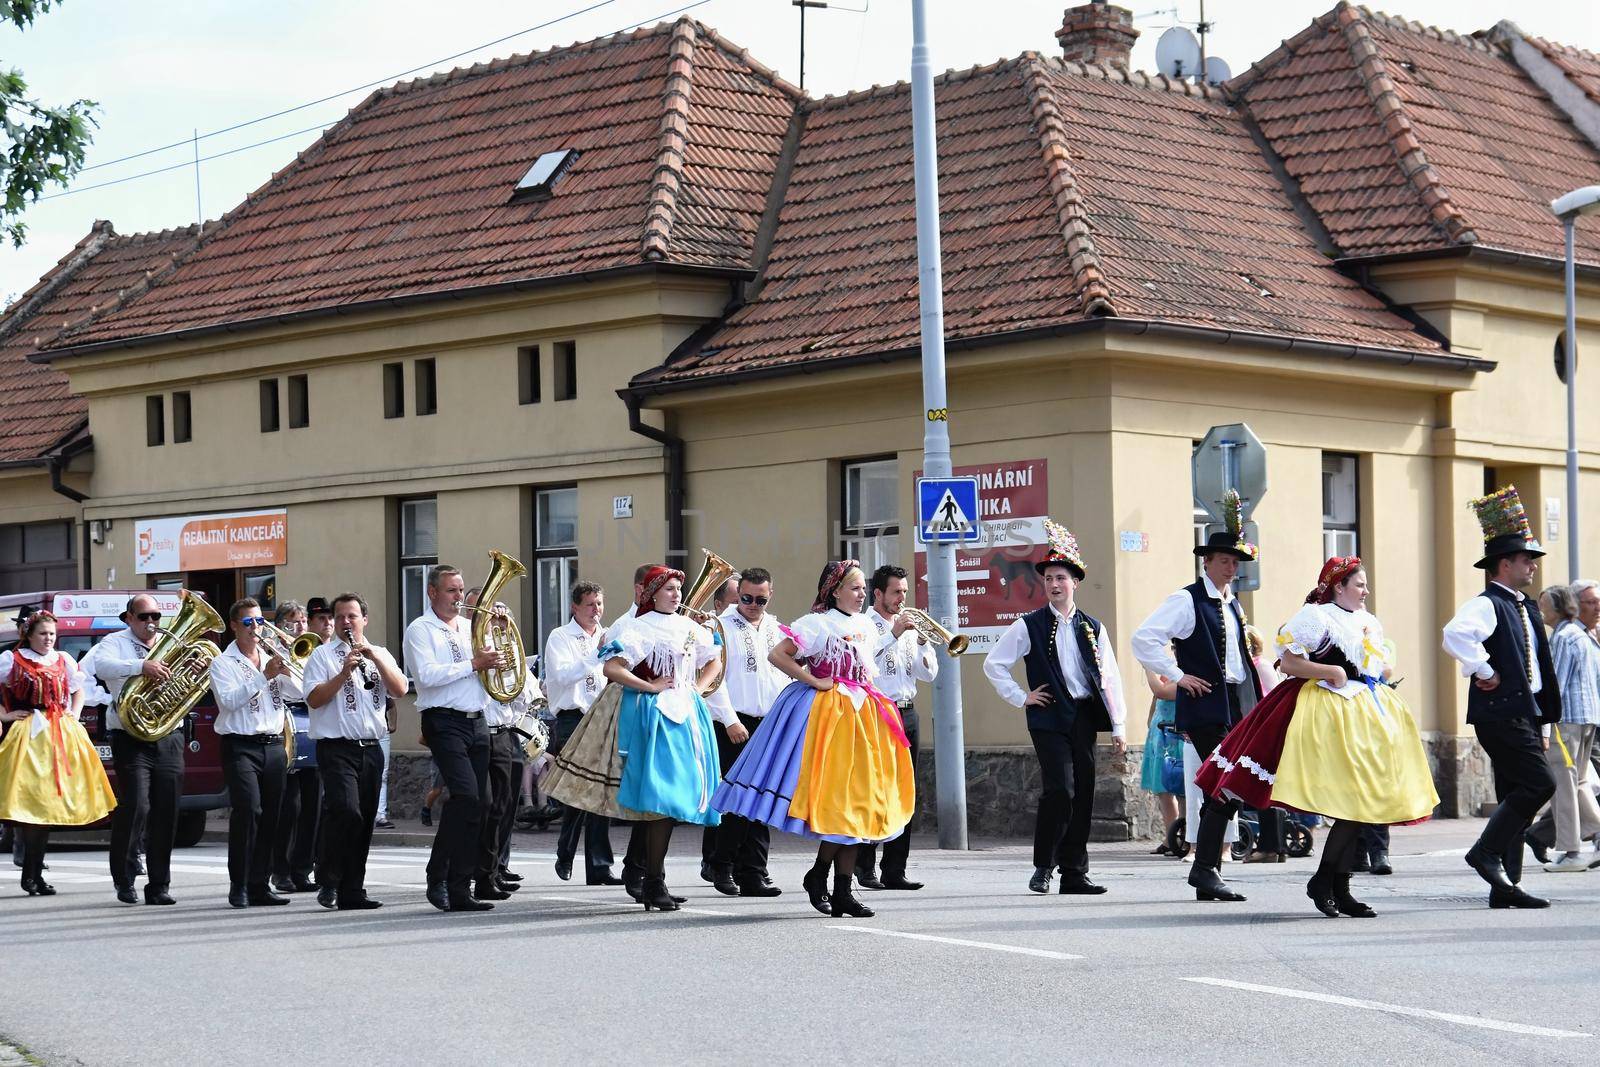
543, 175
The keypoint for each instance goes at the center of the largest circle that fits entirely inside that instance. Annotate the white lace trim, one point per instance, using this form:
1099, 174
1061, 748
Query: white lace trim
1228, 766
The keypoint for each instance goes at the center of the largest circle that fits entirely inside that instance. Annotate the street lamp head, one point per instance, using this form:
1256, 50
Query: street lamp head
1585, 201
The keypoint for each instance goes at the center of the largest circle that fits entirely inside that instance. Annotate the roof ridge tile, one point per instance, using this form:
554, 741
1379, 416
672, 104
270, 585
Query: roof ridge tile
1397, 126
949, 77
1413, 26
1088, 275
1286, 49
667, 177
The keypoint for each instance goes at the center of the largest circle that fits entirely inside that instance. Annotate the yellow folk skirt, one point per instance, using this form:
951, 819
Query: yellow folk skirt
53, 777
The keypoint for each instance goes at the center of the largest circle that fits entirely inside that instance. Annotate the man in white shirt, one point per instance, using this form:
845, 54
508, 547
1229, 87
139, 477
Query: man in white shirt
1498, 638
348, 683
903, 658
149, 774
738, 863
294, 852
450, 696
505, 778
1076, 692
251, 716
573, 676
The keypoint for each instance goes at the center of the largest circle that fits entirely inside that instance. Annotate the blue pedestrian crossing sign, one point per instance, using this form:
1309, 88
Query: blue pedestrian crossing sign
947, 510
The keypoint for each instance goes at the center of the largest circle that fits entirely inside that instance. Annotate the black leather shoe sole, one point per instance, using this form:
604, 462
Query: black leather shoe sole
469, 904
755, 889
901, 883
364, 904
1080, 889
1515, 897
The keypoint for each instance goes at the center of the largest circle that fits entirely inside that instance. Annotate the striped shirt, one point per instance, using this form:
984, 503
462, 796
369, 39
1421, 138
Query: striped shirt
1577, 661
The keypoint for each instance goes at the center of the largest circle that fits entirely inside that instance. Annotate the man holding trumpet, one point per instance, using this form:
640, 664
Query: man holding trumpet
451, 698
347, 683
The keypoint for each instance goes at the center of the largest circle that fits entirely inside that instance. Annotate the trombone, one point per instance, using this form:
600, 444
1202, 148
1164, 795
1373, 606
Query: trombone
294, 651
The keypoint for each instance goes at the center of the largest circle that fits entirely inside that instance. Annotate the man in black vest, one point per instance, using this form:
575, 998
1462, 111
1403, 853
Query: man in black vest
1074, 693
1499, 640
1196, 638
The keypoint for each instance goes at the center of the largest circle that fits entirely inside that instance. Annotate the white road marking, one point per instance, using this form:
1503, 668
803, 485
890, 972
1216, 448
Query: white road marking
630, 906
1043, 953
1392, 1009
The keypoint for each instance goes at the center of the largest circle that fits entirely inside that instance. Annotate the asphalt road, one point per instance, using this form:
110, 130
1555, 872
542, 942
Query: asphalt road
972, 968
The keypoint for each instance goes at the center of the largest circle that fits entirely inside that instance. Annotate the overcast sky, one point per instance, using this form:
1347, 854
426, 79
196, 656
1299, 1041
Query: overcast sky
161, 69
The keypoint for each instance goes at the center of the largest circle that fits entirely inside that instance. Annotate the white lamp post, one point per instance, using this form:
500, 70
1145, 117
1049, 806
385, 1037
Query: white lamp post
1585, 201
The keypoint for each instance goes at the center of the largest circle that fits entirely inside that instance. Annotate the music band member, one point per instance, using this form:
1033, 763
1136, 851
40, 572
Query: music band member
530, 702
149, 774
294, 851
1197, 636
904, 658
722, 714
752, 685
319, 618
450, 696
1498, 638
1074, 693
574, 676
348, 683
505, 778
250, 721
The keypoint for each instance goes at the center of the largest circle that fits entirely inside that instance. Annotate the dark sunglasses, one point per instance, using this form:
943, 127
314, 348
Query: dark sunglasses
148, 616
252, 620
746, 598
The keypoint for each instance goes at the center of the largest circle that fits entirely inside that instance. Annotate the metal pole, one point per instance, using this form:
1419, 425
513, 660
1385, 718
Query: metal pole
950, 748
802, 48
199, 213
1573, 574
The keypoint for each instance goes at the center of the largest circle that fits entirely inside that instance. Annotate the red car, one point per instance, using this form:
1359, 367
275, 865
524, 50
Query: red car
82, 618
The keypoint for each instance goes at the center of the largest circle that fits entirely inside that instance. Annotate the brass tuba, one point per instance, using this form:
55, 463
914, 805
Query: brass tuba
151, 710
497, 630
929, 630
713, 573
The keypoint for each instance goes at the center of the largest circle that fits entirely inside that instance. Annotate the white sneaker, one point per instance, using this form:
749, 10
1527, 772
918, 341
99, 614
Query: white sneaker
1569, 861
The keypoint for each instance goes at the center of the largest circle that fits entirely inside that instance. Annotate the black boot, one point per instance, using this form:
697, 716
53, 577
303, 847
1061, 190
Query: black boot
1347, 904
1322, 895
654, 895
842, 904
1502, 833
816, 884
1208, 884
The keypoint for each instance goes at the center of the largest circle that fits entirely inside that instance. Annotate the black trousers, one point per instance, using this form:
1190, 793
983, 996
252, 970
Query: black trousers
896, 851
501, 806
351, 774
1523, 783
738, 843
1215, 813
149, 785
294, 852
254, 769
1066, 769
508, 821
33, 841
1374, 839
595, 829
460, 748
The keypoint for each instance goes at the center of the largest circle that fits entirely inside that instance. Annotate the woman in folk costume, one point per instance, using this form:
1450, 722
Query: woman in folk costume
831, 760
50, 774
1334, 739
646, 751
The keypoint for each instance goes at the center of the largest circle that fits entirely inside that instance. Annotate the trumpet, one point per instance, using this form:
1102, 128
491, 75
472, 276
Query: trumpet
294, 651
929, 630
369, 677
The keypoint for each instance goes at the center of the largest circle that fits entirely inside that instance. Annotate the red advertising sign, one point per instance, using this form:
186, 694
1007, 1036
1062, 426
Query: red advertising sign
995, 579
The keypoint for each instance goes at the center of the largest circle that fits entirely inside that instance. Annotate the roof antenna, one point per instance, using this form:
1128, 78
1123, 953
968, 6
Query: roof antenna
1181, 56
802, 5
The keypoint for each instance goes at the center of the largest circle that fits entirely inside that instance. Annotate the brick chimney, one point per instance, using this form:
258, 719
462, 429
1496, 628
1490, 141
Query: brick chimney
1097, 32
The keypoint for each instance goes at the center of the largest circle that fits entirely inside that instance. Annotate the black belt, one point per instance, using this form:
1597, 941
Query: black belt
297, 705
495, 731
364, 742
569, 711
258, 739
456, 711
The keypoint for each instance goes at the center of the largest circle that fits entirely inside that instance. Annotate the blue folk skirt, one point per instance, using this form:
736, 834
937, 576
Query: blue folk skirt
668, 768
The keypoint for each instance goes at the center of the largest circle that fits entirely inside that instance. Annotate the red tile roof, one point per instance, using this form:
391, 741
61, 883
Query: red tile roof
37, 411
1067, 193
410, 194
1405, 138
1581, 68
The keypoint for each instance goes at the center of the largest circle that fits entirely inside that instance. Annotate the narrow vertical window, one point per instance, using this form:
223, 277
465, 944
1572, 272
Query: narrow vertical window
427, 387
269, 405
180, 417
528, 374
566, 370
299, 401
155, 421
394, 390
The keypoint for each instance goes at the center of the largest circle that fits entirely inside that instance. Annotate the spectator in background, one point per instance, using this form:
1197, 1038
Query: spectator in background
1572, 611
1161, 743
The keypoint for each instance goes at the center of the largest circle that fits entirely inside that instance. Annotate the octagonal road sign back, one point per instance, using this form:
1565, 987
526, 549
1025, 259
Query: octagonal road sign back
1229, 457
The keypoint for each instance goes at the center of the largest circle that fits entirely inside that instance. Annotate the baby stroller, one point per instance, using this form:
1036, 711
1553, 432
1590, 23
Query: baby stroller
1298, 840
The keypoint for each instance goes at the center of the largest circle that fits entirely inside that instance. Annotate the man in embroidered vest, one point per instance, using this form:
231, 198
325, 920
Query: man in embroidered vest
1074, 693
1196, 638
1499, 640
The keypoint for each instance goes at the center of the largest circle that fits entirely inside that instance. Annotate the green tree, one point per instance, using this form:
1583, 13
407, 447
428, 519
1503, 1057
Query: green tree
42, 145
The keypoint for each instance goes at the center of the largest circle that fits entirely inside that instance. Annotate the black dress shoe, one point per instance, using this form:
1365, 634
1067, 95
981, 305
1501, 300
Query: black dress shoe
564, 870
362, 903
508, 875
1488, 866
283, 885
237, 897
1040, 882
1361, 865
1079, 885
601, 876
328, 897
157, 894
1541, 851
264, 897
469, 904
505, 886
302, 884
724, 883
486, 891
1380, 863
126, 894
756, 888
708, 873
1515, 897
868, 881
439, 895
1209, 886
899, 881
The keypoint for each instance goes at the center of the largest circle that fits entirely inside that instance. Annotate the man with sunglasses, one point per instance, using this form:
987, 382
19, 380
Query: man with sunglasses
149, 774
749, 634
250, 718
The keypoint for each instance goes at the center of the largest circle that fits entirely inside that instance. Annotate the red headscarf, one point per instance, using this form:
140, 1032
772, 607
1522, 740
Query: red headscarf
654, 579
832, 575
1334, 571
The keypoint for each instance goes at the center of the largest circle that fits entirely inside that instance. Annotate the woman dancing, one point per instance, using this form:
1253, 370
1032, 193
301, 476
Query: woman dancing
831, 760
1334, 739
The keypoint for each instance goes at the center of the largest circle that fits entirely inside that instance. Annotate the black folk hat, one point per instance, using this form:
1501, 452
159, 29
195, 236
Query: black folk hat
1505, 527
318, 606
1230, 539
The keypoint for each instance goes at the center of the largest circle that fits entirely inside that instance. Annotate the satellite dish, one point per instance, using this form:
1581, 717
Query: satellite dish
1217, 70
1178, 53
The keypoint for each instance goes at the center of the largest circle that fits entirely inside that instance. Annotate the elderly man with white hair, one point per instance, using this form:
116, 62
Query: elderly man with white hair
1576, 654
